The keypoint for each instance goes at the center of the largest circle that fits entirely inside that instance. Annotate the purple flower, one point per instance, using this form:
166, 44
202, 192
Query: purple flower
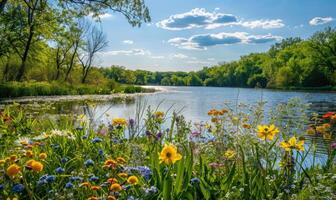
194, 181
103, 131
333, 145
195, 133
64, 160
159, 135
151, 190
94, 178
76, 178
148, 133
1, 187
131, 122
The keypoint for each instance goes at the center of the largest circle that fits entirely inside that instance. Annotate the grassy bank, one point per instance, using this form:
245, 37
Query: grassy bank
19, 89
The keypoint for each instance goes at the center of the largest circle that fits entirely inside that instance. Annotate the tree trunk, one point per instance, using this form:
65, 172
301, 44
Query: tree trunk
5, 73
25, 56
71, 63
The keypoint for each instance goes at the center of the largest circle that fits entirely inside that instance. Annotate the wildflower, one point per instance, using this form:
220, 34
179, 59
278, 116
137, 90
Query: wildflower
131, 122
159, 114
50, 178
1, 187
310, 131
95, 188
64, 160
151, 190
101, 152
121, 160
169, 154
111, 198
2, 162
93, 198
229, 154
327, 136
115, 187
119, 122
85, 184
110, 163
194, 181
69, 185
59, 170
328, 115
13, 170
37, 166
159, 135
29, 163
18, 188
322, 129
76, 178
96, 140
29, 153
43, 156
13, 158
333, 145
112, 180
123, 175
265, 132
89, 162
247, 126
195, 133
94, 178
292, 144
133, 180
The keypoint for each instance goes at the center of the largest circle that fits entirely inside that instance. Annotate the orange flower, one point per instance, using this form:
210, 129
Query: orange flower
110, 163
2, 162
29, 163
115, 187
93, 198
13, 157
85, 184
95, 188
247, 126
112, 180
13, 170
328, 115
43, 156
111, 198
36, 166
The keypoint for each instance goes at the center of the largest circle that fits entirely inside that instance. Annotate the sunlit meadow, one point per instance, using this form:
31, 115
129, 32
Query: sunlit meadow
243, 153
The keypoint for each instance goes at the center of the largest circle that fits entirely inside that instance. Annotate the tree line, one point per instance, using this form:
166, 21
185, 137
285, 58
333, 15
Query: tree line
47, 40
293, 62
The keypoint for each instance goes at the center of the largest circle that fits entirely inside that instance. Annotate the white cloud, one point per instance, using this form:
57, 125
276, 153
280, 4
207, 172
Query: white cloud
201, 42
157, 57
136, 52
180, 56
320, 20
101, 16
265, 24
199, 17
128, 42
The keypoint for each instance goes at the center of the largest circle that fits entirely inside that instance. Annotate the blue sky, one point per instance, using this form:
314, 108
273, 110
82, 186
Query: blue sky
187, 35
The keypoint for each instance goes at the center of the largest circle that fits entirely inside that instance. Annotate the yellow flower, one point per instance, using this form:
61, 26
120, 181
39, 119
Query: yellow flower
110, 163
169, 154
29, 154
111, 198
93, 198
95, 188
119, 122
327, 136
115, 187
292, 144
123, 175
247, 126
310, 131
321, 129
43, 156
159, 114
229, 154
85, 184
13, 157
121, 160
267, 132
2, 162
133, 180
36, 166
13, 170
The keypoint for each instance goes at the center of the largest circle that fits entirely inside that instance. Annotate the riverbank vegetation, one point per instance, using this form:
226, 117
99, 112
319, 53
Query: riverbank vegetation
291, 63
234, 155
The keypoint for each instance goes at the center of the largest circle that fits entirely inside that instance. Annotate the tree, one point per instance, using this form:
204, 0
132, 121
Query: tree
95, 41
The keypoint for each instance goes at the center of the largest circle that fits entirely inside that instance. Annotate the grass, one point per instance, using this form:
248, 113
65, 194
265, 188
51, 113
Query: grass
229, 157
19, 89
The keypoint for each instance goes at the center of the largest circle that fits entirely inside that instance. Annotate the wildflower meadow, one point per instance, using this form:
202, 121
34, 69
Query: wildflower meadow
241, 153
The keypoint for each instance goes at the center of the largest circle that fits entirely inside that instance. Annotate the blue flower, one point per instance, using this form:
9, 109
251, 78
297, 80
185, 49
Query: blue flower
50, 178
76, 178
2, 187
143, 170
194, 181
101, 152
18, 188
54, 146
94, 178
96, 140
60, 170
85, 136
88, 162
64, 160
69, 185
151, 190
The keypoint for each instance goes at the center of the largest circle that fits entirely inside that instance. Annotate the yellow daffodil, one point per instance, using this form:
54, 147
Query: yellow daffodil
123, 175
267, 132
229, 154
36, 166
169, 155
292, 143
133, 180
